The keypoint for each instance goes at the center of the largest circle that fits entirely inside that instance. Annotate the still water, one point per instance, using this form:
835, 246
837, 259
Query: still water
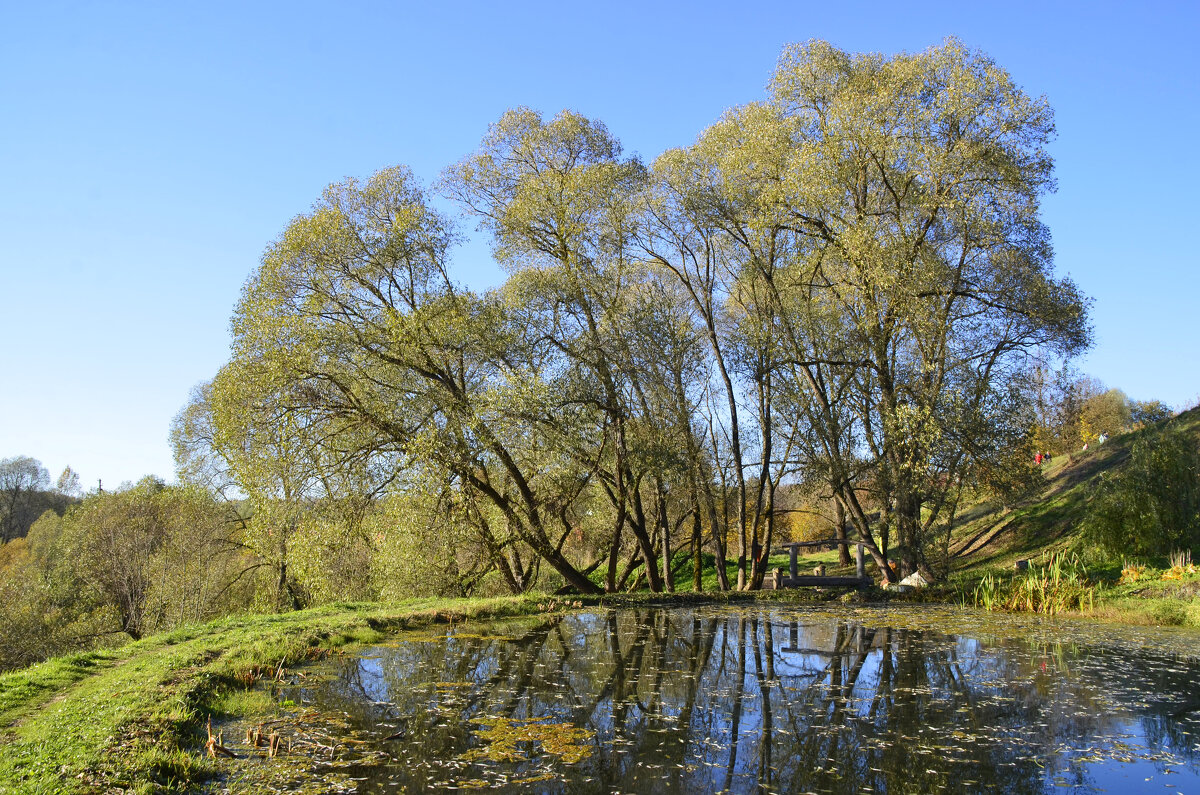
762, 698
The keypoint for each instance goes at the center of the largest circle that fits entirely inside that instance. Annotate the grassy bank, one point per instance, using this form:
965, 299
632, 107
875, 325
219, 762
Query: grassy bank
991, 537
132, 717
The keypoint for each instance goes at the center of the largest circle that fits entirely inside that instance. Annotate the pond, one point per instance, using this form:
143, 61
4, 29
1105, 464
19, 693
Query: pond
760, 698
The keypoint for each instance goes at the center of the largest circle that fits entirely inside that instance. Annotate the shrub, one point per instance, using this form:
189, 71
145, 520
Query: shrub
1152, 505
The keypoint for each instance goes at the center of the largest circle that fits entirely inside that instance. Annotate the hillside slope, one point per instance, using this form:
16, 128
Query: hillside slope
990, 535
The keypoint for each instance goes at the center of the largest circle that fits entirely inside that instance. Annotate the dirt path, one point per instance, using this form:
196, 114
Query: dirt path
47, 688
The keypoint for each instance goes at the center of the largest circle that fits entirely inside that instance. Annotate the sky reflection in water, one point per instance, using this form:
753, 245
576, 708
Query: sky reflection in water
776, 699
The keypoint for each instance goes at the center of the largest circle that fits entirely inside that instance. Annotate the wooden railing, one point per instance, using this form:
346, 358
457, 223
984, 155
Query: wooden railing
795, 579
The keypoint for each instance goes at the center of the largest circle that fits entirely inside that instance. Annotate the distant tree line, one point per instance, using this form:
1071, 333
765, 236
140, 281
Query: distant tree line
25, 494
118, 565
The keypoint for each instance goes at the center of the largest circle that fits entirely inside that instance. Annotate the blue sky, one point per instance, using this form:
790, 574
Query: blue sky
150, 151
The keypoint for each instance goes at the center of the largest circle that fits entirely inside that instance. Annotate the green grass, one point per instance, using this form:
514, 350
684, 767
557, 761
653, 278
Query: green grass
26, 690
1151, 599
132, 717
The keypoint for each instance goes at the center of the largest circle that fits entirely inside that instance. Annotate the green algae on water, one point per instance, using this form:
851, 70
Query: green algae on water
501, 736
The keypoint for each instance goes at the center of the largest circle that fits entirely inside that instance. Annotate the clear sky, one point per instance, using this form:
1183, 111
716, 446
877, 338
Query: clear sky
150, 151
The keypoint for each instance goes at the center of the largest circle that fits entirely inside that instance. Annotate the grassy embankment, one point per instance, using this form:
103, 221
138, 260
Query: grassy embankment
992, 537
133, 717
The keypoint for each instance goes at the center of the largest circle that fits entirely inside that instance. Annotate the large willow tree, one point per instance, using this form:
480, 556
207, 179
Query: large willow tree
920, 276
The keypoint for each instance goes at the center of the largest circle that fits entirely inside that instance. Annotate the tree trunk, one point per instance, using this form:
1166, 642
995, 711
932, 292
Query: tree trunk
697, 542
610, 579
718, 540
862, 525
843, 549
664, 523
649, 554
572, 575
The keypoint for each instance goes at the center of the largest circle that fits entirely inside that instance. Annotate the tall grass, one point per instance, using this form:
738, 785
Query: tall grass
1059, 583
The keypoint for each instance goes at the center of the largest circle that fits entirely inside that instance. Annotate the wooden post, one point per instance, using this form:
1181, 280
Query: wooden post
793, 572
858, 560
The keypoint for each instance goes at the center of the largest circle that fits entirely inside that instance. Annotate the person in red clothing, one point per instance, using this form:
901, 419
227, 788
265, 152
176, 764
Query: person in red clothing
1037, 459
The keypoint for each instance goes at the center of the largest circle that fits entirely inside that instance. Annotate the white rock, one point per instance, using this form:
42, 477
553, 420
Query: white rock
915, 580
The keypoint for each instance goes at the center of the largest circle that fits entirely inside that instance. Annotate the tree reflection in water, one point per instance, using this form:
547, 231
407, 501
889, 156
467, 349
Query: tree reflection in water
770, 699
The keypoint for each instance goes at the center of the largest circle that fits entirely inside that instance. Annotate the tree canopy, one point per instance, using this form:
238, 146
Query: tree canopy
844, 285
